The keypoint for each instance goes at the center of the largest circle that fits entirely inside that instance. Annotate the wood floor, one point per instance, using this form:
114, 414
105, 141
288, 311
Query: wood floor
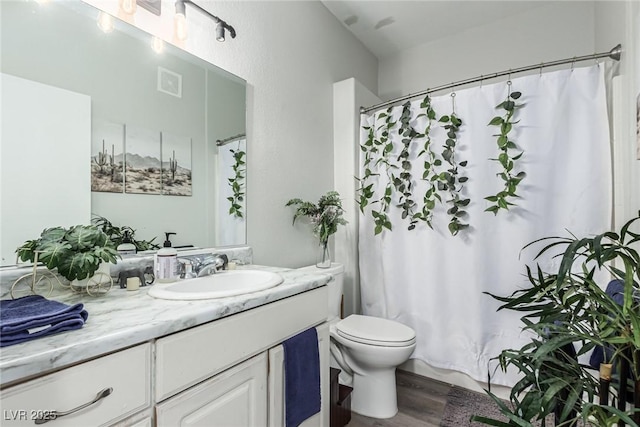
421, 402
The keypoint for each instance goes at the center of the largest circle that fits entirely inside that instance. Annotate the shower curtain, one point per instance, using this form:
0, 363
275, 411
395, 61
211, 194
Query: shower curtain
230, 230
433, 281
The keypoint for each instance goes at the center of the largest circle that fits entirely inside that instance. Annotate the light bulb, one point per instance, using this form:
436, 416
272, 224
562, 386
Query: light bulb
128, 6
157, 44
105, 22
180, 26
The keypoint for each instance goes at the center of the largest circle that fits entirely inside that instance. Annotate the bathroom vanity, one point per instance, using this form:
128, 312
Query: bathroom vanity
150, 361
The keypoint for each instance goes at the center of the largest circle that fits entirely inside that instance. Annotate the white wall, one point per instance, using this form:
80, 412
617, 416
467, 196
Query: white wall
43, 129
619, 22
290, 53
348, 96
560, 30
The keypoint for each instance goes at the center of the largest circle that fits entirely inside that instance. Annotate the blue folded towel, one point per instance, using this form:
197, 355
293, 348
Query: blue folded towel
34, 316
302, 377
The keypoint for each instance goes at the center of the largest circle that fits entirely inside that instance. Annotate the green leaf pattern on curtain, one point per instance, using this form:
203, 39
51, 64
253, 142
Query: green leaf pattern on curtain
443, 172
507, 161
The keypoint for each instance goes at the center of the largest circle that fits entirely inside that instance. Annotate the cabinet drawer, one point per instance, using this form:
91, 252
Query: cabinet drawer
127, 372
186, 358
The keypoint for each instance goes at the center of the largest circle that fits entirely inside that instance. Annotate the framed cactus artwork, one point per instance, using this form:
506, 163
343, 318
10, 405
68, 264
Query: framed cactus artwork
176, 165
107, 158
142, 161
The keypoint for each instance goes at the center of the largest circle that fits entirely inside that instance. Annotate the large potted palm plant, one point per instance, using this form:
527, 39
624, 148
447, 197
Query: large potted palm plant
570, 315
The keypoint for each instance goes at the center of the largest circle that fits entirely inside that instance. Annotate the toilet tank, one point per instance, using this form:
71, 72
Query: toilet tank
335, 286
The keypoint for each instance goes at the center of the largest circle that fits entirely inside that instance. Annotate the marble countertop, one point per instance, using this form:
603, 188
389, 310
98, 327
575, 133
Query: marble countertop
122, 318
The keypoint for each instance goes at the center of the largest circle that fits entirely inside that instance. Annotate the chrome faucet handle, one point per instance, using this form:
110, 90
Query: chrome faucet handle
185, 268
212, 264
225, 261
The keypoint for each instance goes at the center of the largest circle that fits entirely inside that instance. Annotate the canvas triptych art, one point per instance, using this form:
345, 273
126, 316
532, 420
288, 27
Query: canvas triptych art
136, 160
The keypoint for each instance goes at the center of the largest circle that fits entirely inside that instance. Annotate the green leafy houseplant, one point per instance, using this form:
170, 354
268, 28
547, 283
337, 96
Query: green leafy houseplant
325, 217
75, 252
569, 307
117, 234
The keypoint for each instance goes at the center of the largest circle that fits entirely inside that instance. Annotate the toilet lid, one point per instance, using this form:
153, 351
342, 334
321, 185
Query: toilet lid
375, 331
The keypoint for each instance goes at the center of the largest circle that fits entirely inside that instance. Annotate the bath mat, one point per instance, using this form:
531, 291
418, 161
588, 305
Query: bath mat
462, 404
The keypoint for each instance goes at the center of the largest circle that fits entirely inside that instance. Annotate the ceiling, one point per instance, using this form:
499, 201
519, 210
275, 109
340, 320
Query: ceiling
386, 27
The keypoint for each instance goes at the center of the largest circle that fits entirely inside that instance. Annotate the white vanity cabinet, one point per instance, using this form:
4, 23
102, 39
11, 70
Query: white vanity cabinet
227, 372
216, 374
126, 373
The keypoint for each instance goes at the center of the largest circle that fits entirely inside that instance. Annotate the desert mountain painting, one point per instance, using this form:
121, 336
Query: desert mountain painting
139, 161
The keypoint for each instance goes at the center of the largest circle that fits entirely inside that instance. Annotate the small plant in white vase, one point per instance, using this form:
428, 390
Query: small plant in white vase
325, 217
76, 252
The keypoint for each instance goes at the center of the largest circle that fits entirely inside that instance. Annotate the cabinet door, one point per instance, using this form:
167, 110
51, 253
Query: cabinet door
276, 384
235, 398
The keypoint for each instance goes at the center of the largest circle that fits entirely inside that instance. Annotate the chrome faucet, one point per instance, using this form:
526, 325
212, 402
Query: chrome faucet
202, 265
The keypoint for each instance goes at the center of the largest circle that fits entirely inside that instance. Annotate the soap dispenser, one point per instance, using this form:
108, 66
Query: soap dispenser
126, 247
166, 262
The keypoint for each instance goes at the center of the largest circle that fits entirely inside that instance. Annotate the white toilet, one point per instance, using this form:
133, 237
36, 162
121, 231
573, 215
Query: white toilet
367, 348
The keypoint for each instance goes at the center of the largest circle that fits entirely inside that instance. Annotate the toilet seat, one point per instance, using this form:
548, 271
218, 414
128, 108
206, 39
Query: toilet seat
375, 331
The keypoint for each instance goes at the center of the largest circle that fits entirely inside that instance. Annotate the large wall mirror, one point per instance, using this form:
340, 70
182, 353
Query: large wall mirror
99, 123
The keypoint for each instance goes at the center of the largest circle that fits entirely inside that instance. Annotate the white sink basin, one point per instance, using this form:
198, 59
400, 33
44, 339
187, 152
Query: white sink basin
219, 285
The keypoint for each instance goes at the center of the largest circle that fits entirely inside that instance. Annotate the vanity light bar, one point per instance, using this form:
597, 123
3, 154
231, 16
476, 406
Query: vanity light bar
180, 22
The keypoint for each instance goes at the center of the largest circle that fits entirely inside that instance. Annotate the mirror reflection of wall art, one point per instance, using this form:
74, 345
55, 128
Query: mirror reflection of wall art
176, 165
169, 82
142, 161
107, 160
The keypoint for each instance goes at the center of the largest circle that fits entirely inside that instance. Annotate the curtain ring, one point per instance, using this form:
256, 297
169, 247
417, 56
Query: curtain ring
481, 80
573, 63
595, 58
453, 102
541, 66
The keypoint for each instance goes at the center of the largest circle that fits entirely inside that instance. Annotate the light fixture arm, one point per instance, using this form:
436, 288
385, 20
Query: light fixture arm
181, 6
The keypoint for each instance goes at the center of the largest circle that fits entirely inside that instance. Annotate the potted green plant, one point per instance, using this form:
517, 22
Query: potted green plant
569, 314
325, 217
117, 234
76, 252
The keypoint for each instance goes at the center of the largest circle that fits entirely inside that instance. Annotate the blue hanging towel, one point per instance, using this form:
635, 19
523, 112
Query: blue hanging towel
24, 319
302, 377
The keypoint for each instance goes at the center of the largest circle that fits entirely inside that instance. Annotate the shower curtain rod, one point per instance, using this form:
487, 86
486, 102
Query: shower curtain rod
613, 54
221, 142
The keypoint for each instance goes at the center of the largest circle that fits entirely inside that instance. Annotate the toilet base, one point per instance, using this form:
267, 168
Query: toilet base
374, 395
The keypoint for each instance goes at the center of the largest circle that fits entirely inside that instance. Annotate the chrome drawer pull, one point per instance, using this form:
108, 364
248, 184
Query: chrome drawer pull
52, 415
